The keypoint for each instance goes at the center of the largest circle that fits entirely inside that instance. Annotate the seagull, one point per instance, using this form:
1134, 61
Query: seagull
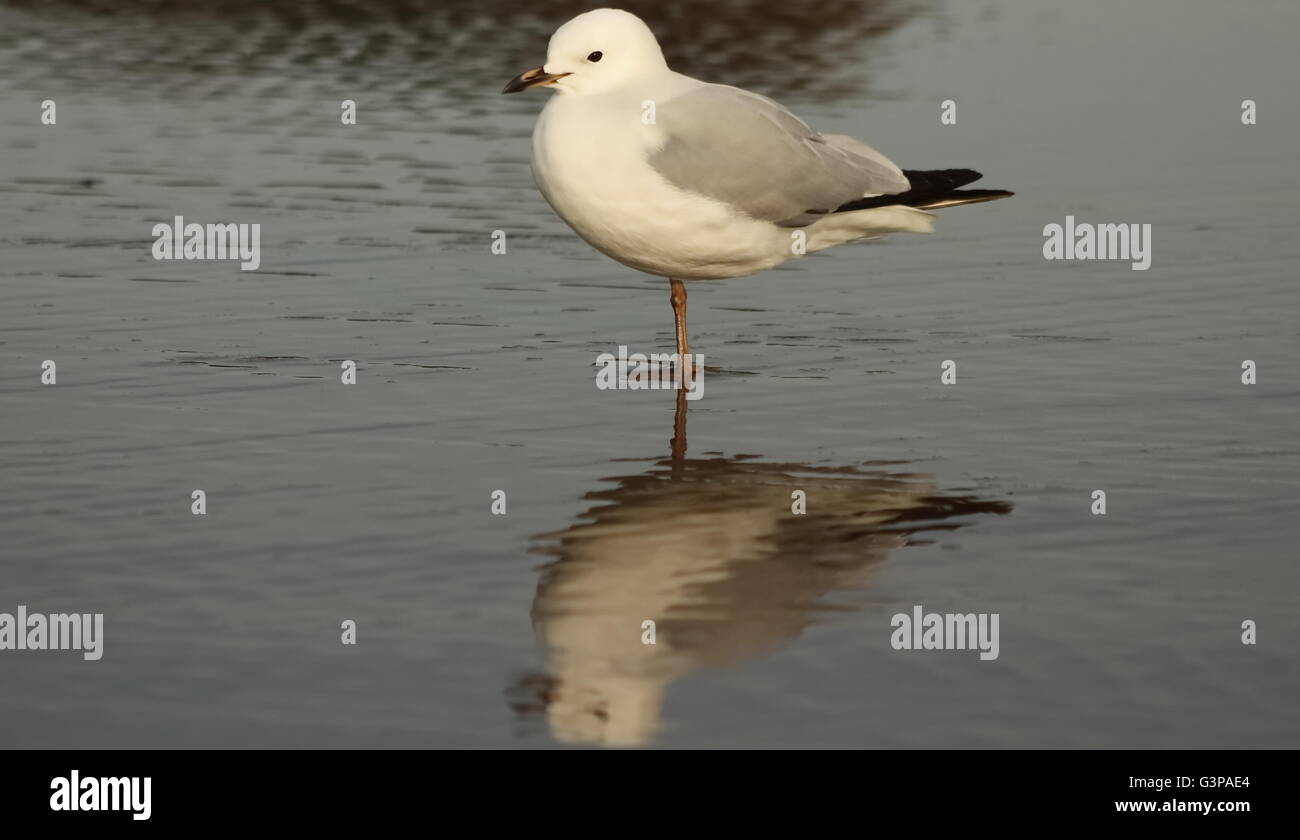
689, 180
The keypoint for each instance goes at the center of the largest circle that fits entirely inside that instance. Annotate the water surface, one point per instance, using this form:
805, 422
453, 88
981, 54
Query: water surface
371, 502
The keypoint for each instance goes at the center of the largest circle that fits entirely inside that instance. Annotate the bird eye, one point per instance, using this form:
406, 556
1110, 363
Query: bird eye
596, 56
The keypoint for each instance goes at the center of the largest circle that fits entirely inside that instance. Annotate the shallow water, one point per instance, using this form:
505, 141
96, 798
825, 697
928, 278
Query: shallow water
475, 372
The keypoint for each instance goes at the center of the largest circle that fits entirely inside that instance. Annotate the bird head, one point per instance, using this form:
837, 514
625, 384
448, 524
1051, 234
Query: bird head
593, 53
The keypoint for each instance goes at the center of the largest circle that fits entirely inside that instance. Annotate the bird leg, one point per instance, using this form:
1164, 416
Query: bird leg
677, 295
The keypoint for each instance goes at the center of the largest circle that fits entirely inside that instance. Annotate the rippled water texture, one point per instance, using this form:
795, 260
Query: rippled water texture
371, 502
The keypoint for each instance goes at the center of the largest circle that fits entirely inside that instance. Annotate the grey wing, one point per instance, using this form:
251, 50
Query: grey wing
747, 151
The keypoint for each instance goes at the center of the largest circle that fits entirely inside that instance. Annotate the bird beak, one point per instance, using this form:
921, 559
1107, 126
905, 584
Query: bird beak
531, 78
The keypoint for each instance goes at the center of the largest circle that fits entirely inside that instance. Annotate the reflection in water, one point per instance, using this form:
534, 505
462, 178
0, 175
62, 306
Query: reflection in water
708, 549
403, 47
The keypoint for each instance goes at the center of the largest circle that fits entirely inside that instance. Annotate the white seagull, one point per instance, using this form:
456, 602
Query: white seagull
695, 181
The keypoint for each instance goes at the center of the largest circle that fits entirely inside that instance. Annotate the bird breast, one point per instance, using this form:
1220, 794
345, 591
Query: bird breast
590, 161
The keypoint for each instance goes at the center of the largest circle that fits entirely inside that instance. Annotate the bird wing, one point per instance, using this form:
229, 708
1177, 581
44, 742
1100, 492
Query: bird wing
750, 153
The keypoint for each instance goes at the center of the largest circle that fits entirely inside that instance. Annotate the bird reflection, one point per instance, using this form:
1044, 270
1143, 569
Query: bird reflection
711, 552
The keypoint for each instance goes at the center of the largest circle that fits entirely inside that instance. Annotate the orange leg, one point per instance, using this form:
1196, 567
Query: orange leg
677, 295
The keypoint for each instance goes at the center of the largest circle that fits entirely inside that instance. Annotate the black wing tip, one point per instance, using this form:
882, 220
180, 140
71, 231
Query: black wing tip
931, 187
936, 180
967, 174
983, 193
957, 198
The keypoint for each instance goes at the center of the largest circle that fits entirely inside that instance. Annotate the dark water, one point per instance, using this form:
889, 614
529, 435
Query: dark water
371, 502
